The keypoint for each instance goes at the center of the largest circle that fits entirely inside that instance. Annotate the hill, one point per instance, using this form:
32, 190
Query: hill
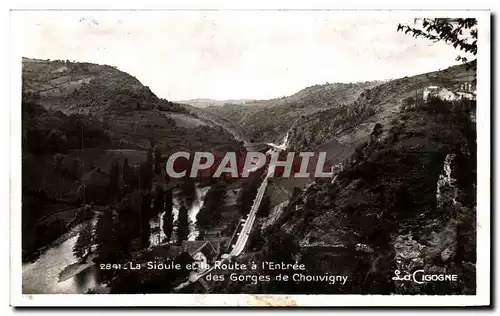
202, 103
134, 116
79, 119
340, 129
84, 88
403, 199
269, 120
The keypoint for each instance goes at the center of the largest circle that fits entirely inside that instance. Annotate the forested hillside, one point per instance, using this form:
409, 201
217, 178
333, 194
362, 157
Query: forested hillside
81, 121
269, 120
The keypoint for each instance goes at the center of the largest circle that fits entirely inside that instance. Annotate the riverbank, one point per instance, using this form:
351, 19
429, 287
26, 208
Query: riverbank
35, 255
75, 268
56, 269
65, 221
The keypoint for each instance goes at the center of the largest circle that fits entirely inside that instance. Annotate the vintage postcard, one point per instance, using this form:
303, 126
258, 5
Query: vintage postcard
250, 158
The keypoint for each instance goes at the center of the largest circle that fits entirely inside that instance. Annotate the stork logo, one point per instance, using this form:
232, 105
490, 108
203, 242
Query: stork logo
420, 277
276, 164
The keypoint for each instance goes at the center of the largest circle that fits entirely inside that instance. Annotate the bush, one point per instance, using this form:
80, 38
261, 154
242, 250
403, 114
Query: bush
408, 102
377, 130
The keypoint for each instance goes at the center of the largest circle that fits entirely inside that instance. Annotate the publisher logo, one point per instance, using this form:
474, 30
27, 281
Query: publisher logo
420, 277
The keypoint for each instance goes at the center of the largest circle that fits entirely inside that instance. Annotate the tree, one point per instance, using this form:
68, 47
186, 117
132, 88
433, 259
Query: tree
145, 177
461, 33
377, 130
114, 181
408, 102
182, 224
280, 246
83, 245
58, 159
247, 194
184, 259
188, 191
145, 228
76, 170
146, 172
168, 218
104, 228
256, 241
157, 160
265, 206
295, 193
159, 203
129, 221
105, 238
201, 235
359, 152
128, 176
210, 213
80, 128
149, 158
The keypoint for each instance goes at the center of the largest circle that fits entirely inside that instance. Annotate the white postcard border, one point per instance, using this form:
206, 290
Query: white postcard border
483, 211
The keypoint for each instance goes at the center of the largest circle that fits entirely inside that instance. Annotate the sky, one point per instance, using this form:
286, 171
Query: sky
222, 55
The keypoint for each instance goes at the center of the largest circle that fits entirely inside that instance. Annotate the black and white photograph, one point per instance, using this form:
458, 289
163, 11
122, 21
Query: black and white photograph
287, 155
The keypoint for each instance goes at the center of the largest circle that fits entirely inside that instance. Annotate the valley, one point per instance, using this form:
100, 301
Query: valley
95, 188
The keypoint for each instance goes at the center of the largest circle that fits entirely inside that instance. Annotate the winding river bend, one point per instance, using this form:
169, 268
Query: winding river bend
42, 276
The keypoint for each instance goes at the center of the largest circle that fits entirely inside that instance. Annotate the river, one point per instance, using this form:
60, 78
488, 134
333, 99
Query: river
42, 276
156, 223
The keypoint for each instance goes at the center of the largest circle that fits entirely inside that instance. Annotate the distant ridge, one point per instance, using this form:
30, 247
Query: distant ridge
202, 102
